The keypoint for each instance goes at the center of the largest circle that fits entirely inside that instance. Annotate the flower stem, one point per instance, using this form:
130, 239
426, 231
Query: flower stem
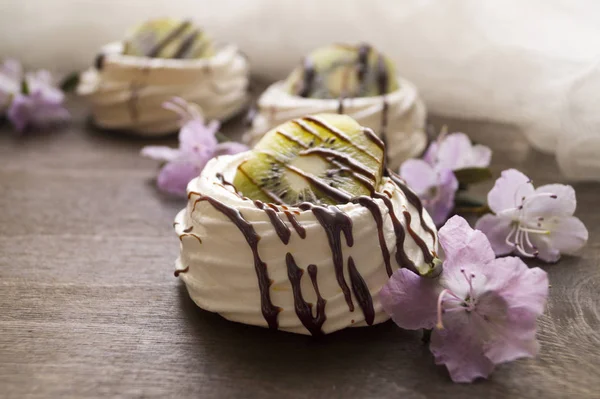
221, 137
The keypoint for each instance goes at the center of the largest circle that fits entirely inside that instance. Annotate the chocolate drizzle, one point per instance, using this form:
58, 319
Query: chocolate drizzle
281, 229
304, 309
401, 257
363, 62
335, 222
154, 51
427, 256
412, 199
308, 77
186, 44
342, 158
372, 206
226, 183
179, 271
269, 311
299, 229
361, 292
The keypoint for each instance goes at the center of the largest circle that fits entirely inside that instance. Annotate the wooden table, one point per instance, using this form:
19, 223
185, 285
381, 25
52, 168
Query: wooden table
89, 306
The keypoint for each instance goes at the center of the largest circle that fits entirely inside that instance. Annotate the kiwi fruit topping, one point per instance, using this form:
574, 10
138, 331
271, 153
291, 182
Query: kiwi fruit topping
340, 70
322, 159
168, 38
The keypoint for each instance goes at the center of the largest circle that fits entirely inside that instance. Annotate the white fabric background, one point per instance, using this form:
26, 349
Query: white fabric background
534, 63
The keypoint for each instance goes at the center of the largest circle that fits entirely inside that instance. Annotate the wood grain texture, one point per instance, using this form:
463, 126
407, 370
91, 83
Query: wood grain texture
89, 306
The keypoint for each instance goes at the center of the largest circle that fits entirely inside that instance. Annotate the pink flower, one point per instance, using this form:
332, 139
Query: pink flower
455, 151
30, 100
435, 187
532, 222
197, 145
483, 310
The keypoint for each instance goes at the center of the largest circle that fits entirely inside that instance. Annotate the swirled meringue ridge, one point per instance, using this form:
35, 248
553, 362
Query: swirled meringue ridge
127, 92
223, 275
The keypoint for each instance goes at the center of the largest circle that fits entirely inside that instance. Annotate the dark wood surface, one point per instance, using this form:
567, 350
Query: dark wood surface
89, 306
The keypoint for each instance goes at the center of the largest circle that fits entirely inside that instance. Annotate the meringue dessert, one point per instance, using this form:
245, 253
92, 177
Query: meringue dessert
159, 60
354, 80
301, 233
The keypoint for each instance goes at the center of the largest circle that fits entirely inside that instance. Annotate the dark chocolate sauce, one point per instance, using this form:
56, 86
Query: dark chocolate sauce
225, 182
304, 309
340, 109
154, 51
272, 196
186, 44
307, 128
373, 137
341, 135
99, 61
281, 229
342, 158
401, 257
383, 78
291, 138
361, 292
363, 62
427, 256
308, 77
372, 206
299, 229
179, 271
335, 222
334, 193
412, 199
269, 311
189, 229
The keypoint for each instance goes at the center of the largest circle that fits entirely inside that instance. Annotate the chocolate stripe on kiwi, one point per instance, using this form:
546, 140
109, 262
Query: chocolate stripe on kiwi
304, 309
372, 206
335, 222
186, 44
373, 137
341, 135
427, 256
334, 193
269, 311
343, 158
401, 258
268, 193
291, 138
363, 63
281, 229
361, 292
413, 199
307, 128
154, 51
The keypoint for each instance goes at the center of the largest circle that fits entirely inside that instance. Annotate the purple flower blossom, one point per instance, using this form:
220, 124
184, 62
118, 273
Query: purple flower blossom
39, 106
532, 222
435, 187
455, 151
483, 310
197, 146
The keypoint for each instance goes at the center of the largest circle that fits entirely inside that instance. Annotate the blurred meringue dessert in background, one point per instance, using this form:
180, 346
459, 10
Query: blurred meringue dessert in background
158, 60
357, 81
301, 232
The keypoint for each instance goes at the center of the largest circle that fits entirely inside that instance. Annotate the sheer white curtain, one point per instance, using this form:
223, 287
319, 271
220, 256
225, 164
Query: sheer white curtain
533, 63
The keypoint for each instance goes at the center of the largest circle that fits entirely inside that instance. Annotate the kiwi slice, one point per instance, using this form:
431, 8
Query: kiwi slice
323, 159
340, 70
168, 38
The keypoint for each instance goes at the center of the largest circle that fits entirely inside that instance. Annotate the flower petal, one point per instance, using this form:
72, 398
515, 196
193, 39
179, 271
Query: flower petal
459, 346
419, 176
160, 153
515, 297
496, 230
519, 285
543, 205
509, 190
567, 235
230, 148
481, 156
454, 151
19, 112
194, 134
410, 300
463, 245
430, 155
175, 176
442, 204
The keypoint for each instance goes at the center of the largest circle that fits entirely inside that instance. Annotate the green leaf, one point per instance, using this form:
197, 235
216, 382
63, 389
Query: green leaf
472, 175
70, 82
464, 204
24, 87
